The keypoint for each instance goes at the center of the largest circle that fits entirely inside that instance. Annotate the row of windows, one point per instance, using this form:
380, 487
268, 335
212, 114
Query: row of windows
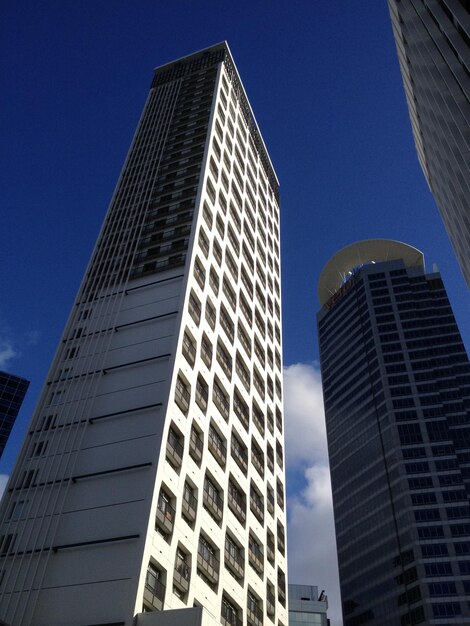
240, 185
208, 569
185, 135
263, 354
264, 261
240, 408
437, 430
343, 313
243, 183
263, 289
251, 150
217, 445
240, 163
213, 502
264, 384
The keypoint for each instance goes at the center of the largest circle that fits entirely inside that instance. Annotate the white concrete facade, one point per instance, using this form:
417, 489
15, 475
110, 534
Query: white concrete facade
152, 476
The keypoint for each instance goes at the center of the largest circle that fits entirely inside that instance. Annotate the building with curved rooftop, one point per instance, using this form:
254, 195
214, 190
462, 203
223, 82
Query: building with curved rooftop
396, 387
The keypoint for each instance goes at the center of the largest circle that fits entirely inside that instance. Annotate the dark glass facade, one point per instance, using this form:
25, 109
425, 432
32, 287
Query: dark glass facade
432, 39
12, 392
396, 384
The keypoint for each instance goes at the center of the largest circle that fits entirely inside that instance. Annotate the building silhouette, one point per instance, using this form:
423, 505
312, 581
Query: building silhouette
12, 392
432, 40
151, 479
396, 385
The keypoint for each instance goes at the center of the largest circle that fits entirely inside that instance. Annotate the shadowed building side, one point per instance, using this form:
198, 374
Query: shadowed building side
432, 40
396, 386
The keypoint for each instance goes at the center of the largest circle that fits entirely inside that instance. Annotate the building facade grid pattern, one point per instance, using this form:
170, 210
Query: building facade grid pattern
396, 382
432, 39
159, 435
12, 392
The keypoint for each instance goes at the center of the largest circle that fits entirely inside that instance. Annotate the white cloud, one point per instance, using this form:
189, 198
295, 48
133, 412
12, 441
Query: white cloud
311, 536
7, 345
311, 539
12, 344
303, 406
7, 352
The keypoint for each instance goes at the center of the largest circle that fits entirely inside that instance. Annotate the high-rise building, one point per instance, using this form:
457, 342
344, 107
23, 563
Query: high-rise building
306, 607
396, 385
12, 392
152, 474
432, 40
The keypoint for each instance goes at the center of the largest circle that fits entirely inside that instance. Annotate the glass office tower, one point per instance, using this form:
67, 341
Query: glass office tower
396, 385
432, 39
152, 474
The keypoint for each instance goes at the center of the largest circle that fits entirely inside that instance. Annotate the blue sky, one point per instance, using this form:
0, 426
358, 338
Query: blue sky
324, 83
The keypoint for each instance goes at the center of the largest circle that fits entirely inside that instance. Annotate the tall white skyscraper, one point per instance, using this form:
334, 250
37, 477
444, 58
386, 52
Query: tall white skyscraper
152, 474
